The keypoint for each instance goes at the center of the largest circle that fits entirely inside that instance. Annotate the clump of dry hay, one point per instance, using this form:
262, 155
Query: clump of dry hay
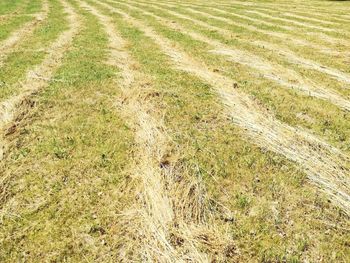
171, 218
179, 223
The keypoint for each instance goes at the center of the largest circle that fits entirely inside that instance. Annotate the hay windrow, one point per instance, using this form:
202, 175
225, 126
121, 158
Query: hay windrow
283, 76
173, 131
7, 46
325, 165
170, 220
14, 109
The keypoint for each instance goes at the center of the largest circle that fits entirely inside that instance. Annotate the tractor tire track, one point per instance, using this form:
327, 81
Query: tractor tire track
13, 109
158, 213
326, 166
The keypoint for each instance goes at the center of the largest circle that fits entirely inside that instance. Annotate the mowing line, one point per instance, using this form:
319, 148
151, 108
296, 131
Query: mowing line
13, 109
289, 55
156, 217
300, 41
192, 9
298, 23
323, 36
326, 166
281, 75
271, 9
311, 19
256, 20
319, 12
224, 32
291, 13
8, 45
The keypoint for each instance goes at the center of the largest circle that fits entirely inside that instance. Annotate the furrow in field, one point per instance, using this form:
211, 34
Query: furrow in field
292, 39
274, 72
7, 46
325, 165
156, 216
13, 109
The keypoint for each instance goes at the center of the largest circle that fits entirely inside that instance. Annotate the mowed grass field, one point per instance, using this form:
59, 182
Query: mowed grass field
174, 131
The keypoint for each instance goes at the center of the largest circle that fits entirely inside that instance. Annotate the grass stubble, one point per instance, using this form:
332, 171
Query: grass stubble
14, 108
325, 165
171, 215
99, 195
8, 45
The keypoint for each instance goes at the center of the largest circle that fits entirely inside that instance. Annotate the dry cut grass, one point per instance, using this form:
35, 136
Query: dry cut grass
174, 131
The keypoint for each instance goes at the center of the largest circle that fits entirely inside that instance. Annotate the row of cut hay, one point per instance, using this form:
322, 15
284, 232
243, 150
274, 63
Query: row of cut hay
170, 203
14, 109
274, 72
325, 165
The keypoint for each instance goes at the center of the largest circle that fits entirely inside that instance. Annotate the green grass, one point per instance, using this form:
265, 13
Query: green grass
8, 6
22, 9
255, 181
34, 6
30, 52
70, 157
10, 25
62, 185
306, 52
247, 35
290, 106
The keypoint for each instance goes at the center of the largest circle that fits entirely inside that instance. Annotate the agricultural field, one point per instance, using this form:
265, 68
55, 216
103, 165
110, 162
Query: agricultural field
174, 131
